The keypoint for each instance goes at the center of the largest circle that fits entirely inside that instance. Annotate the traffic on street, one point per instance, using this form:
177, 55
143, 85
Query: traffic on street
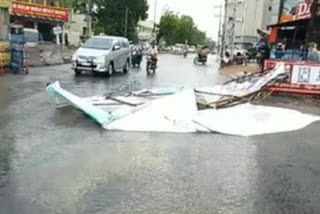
56, 160
159, 106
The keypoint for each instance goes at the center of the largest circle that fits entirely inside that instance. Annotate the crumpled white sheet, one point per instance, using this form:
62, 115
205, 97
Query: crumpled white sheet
250, 120
168, 114
178, 113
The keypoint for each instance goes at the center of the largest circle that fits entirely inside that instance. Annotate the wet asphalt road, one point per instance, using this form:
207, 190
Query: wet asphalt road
59, 161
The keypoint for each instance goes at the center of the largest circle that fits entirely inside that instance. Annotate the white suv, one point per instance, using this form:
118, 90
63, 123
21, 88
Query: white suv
103, 54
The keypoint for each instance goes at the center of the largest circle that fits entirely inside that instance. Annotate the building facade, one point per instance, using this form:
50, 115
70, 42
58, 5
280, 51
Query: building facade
76, 29
292, 26
244, 17
43, 15
273, 12
145, 31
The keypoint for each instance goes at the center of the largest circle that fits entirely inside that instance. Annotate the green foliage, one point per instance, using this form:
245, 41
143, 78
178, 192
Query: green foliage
109, 15
210, 43
178, 29
168, 27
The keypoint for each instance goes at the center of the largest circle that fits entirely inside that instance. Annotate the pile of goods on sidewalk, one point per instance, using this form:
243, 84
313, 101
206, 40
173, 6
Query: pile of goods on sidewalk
225, 108
19, 59
5, 57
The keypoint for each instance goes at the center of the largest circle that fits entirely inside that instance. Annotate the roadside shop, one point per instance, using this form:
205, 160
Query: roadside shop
295, 40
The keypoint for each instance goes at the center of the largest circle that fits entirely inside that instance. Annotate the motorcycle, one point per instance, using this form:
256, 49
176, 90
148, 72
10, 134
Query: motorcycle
203, 60
185, 53
136, 59
151, 64
239, 59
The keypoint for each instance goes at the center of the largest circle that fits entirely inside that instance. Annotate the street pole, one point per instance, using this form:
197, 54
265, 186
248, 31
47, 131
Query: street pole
223, 39
89, 19
220, 28
155, 15
281, 7
233, 29
126, 23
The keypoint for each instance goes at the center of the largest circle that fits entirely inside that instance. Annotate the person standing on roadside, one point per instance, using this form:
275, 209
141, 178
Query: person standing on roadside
263, 48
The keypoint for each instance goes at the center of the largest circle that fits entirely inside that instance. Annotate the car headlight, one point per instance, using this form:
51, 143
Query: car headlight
100, 59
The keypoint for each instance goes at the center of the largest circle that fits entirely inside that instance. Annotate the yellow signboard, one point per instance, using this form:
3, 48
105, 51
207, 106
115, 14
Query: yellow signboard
5, 4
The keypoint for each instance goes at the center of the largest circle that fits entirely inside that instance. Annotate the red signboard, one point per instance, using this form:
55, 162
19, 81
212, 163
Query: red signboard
40, 11
304, 77
303, 10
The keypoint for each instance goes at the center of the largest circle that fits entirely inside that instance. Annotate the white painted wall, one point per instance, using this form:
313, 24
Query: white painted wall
250, 15
74, 28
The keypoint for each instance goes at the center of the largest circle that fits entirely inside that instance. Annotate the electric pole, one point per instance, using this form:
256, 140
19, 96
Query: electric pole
233, 28
220, 28
155, 15
89, 19
126, 22
224, 27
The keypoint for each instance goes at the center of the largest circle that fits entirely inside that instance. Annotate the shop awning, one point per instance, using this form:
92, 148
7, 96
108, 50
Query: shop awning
36, 18
290, 23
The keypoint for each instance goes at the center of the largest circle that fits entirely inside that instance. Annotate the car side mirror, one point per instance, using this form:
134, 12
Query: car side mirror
116, 47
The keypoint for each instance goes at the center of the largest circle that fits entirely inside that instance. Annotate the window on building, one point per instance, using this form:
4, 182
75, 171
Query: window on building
84, 31
38, 1
52, 2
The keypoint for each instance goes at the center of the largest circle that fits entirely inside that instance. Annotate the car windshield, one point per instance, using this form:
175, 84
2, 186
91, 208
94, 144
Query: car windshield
99, 43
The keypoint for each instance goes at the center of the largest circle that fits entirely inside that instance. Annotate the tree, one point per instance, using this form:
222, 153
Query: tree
185, 30
210, 43
168, 27
179, 29
109, 15
77, 5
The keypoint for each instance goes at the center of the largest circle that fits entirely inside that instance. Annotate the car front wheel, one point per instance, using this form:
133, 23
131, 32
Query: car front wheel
126, 67
77, 72
110, 70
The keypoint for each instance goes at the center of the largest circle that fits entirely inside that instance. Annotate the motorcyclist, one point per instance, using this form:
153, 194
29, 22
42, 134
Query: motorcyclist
136, 56
153, 51
203, 53
185, 49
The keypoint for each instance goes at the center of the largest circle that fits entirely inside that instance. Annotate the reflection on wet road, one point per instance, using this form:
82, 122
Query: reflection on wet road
59, 161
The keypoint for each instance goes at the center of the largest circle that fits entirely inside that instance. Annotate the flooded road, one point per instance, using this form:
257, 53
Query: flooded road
59, 161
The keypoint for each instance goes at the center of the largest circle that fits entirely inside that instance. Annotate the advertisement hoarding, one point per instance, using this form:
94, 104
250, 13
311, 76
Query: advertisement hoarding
40, 11
304, 77
5, 4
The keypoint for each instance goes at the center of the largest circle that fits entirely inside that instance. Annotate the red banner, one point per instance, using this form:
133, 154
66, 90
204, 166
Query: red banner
40, 11
303, 10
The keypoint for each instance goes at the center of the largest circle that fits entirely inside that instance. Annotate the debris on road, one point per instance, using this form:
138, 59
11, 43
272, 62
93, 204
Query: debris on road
245, 88
175, 109
250, 120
